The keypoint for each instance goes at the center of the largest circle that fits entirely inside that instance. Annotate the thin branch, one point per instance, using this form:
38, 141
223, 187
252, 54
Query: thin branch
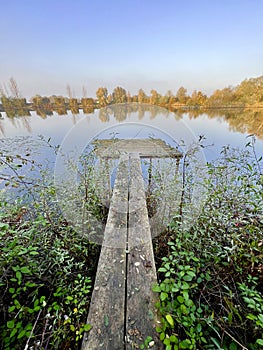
32, 330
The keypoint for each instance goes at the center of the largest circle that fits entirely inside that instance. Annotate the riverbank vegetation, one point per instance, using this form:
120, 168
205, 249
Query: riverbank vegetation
210, 274
241, 107
47, 267
248, 94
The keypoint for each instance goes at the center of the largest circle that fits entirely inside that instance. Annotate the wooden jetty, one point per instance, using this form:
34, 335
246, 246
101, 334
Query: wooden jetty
146, 148
122, 312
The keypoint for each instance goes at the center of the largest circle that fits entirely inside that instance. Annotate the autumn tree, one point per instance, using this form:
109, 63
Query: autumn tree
222, 98
119, 95
155, 97
250, 91
197, 98
11, 99
142, 97
102, 95
40, 102
129, 97
181, 95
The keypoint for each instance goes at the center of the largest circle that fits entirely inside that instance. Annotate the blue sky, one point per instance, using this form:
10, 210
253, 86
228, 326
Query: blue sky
198, 44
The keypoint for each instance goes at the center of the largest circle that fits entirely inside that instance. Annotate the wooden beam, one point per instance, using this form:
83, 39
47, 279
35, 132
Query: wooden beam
141, 315
106, 313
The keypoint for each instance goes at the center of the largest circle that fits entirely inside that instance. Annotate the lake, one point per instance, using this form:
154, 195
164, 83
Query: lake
134, 121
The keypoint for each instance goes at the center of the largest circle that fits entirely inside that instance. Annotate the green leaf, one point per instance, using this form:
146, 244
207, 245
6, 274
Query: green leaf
166, 342
191, 273
21, 334
10, 324
259, 341
162, 269
162, 336
25, 269
216, 342
18, 275
174, 339
148, 339
199, 328
30, 284
187, 278
29, 327
163, 296
14, 331
33, 252
87, 327
199, 280
233, 346
185, 344
3, 226
203, 340
185, 295
180, 299
156, 288
170, 320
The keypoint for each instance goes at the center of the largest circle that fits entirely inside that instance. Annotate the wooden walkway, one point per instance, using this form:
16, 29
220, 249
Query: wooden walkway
122, 312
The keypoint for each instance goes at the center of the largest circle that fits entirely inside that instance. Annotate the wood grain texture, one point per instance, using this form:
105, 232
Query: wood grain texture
122, 311
106, 313
141, 317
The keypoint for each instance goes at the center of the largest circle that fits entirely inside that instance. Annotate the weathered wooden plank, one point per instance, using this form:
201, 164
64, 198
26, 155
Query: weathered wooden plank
147, 148
106, 312
141, 316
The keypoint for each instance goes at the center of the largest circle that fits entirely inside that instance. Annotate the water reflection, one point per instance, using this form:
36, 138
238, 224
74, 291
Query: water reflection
124, 111
220, 127
22, 122
245, 121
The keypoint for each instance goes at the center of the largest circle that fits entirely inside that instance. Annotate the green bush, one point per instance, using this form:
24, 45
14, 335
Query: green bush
210, 279
46, 267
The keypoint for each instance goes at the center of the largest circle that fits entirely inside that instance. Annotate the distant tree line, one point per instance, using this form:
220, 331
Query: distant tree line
248, 94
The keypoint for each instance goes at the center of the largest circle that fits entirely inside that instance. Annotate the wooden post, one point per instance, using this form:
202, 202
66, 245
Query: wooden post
150, 175
177, 166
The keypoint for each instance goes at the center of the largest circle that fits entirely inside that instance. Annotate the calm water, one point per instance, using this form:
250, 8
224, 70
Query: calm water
77, 131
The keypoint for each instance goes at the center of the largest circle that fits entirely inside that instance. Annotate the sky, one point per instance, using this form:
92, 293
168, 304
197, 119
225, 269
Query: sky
149, 44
